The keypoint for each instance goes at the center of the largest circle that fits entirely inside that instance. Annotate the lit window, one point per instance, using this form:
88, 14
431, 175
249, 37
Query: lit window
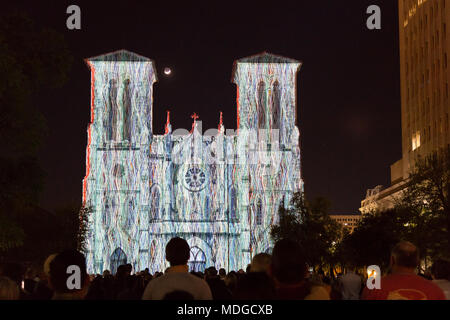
416, 140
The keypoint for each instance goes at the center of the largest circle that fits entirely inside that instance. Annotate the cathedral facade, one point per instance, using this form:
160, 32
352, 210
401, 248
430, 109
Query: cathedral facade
220, 191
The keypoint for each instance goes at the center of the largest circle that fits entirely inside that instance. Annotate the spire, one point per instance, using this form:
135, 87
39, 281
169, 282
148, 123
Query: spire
220, 121
221, 128
168, 126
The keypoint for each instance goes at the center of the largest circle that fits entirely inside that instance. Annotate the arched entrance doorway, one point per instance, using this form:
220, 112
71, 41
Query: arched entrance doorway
118, 258
197, 259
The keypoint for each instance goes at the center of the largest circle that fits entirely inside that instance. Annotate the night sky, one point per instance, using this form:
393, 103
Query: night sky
348, 85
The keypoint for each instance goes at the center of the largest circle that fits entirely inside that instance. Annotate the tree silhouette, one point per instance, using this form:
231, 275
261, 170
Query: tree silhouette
32, 59
309, 224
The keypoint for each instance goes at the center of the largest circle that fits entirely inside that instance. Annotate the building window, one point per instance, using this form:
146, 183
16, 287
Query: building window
153, 251
444, 28
207, 204
129, 215
416, 140
233, 214
118, 258
259, 213
106, 214
197, 259
155, 205
276, 105
261, 105
111, 118
126, 99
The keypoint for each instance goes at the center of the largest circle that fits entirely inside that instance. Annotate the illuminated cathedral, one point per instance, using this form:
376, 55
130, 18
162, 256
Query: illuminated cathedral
220, 191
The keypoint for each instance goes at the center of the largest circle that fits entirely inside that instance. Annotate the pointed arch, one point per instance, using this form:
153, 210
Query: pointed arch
262, 105
197, 259
118, 258
259, 212
155, 202
153, 251
203, 253
207, 206
126, 101
276, 105
233, 204
106, 214
129, 219
111, 122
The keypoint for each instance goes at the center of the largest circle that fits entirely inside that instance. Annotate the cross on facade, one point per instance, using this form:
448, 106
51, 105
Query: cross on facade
194, 116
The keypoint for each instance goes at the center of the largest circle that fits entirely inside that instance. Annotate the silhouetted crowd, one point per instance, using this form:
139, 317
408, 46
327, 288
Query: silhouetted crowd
284, 275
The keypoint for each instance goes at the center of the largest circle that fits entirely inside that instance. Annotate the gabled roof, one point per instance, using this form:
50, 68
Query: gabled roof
122, 56
119, 55
266, 57
263, 57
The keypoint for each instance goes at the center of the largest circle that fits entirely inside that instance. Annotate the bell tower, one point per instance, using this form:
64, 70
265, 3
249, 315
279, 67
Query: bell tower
267, 94
117, 165
268, 142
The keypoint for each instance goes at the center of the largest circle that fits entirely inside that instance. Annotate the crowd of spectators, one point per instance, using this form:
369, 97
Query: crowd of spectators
284, 275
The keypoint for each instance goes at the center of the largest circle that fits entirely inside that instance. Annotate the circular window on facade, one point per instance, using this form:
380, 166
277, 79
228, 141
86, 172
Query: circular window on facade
194, 178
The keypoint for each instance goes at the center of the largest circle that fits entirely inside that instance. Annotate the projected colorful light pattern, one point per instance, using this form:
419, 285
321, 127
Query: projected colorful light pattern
219, 191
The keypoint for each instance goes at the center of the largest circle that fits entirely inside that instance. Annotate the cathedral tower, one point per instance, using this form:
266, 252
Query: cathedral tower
267, 88
119, 135
268, 144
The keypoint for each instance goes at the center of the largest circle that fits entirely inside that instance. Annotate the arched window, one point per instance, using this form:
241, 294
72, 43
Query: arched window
106, 214
212, 173
259, 213
233, 213
153, 251
155, 205
118, 258
276, 101
126, 100
197, 259
129, 219
111, 121
261, 105
207, 205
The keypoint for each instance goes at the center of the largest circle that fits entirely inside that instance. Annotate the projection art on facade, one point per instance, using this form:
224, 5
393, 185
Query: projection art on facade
219, 191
